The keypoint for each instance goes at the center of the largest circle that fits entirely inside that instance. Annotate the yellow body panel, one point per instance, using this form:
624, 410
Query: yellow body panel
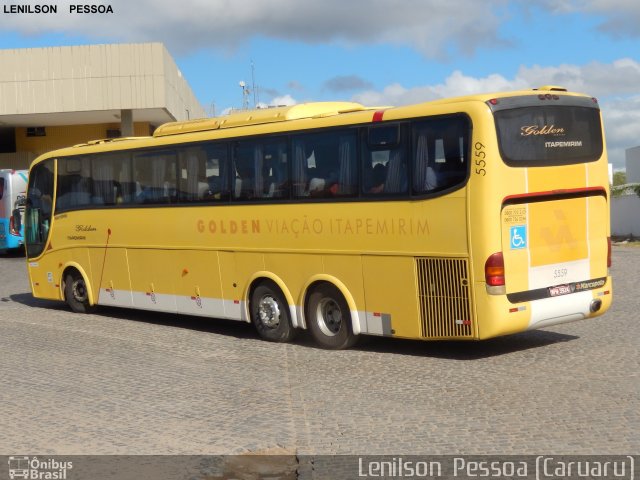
392, 297
111, 273
558, 231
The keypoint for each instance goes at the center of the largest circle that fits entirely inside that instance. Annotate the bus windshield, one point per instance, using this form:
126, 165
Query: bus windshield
549, 135
39, 207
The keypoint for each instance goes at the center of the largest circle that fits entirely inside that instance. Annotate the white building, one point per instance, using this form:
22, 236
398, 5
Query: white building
625, 209
632, 160
59, 96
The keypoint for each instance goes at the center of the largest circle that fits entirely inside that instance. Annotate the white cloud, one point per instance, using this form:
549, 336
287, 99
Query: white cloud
283, 100
619, 18
435, 28
457, 84
278, 101
189, 25
615, 85
622, 126
621, 77
395, 94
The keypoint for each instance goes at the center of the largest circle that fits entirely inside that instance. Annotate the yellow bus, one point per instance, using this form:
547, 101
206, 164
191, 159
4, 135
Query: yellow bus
463, 218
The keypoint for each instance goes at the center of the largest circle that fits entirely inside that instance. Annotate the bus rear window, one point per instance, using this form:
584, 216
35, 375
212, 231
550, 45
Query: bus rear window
549, 135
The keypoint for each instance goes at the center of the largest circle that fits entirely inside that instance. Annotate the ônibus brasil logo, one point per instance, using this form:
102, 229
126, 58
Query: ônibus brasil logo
36, 469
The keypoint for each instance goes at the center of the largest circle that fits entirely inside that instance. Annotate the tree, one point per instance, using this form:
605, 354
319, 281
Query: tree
619, 178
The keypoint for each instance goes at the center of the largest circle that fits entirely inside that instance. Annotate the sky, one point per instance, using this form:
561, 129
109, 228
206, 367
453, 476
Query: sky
377, 52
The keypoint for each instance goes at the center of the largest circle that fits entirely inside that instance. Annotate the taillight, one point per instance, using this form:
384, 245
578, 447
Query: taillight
608, 252
494, 270
12, 226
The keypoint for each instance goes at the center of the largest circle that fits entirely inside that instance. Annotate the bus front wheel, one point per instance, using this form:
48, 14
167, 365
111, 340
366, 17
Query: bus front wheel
76, 292
329, 318
270, 314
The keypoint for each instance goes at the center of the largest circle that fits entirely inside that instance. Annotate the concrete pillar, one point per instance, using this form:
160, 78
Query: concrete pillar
126, 123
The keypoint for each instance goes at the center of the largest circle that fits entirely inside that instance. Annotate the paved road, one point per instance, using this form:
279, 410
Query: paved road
127, 382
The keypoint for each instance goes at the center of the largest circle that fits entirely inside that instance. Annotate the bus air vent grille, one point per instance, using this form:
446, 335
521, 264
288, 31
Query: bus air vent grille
443, 297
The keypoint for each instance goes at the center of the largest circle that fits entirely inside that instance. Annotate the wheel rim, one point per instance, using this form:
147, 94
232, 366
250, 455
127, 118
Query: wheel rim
329, 317
79, 290
269, 311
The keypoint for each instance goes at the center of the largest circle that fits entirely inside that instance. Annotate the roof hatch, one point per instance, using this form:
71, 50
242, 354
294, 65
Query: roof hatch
260, 116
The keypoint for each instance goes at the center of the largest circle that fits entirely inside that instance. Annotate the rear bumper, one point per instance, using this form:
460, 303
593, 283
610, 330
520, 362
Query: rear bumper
498, 316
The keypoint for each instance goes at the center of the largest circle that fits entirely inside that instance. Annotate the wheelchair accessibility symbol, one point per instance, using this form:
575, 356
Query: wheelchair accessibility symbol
518, 237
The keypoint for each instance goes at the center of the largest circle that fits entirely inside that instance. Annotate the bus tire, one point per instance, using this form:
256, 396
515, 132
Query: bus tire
270, 313
76, 293
329, 318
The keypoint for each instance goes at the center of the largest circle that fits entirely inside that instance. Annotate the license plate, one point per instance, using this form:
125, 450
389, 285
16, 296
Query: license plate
559, 290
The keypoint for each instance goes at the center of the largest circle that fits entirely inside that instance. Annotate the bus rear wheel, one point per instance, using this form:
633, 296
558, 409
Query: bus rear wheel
270, 313
76, 292
329, 318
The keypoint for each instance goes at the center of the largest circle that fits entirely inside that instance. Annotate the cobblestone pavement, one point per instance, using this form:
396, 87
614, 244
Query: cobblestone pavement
128, 382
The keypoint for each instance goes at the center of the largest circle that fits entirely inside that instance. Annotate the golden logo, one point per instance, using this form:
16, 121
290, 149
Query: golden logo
529, 130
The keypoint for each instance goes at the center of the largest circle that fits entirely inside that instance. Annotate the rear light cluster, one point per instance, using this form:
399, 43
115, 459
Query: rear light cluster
494, 270
494, 267
12, 226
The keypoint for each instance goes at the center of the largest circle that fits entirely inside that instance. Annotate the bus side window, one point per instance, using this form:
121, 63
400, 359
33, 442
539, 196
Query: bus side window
247, 156
300, 169
192, 183
440, 154
396, 172
155, 175
275, 171
454, 168
111, 179
260, 169
347, 166
385, 160
216, 178
385, 172
325, 164
74, 183
206, 169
